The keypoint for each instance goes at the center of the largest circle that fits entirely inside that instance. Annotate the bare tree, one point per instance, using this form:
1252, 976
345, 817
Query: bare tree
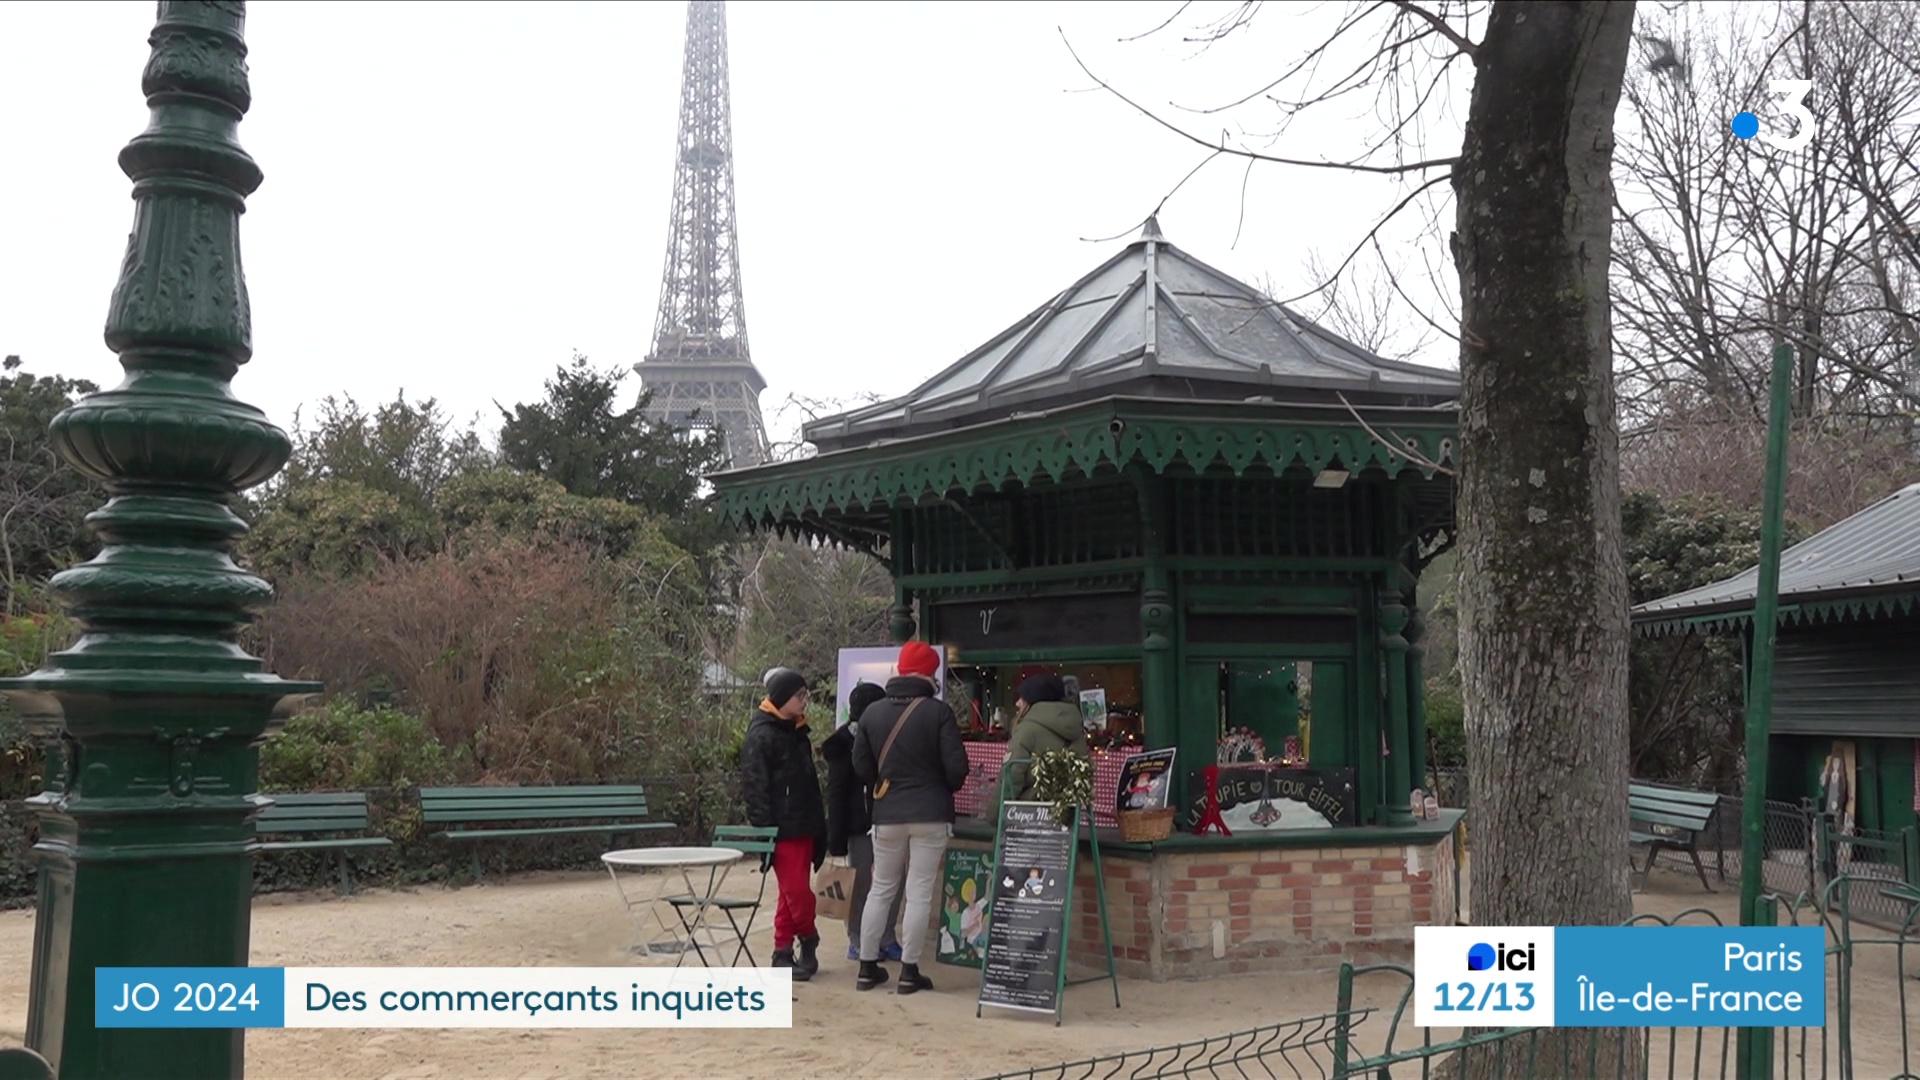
1543, 597
1725, 247
1543, 588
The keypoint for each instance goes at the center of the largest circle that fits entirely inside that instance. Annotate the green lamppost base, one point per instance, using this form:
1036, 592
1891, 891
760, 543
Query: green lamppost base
146, 836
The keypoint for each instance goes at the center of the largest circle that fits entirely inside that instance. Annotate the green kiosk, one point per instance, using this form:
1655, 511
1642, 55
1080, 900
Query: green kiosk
1210, 514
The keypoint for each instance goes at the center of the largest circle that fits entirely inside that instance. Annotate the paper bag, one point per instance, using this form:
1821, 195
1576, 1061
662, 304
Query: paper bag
833, 892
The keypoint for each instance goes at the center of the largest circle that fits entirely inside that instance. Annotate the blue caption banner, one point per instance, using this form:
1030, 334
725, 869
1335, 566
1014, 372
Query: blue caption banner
1619, 976
188, 997
1689, 976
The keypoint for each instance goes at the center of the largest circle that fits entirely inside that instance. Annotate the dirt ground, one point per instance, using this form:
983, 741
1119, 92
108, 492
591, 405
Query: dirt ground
576, 920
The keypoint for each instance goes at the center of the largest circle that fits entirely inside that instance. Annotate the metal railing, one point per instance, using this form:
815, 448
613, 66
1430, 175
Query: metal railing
1310, 1046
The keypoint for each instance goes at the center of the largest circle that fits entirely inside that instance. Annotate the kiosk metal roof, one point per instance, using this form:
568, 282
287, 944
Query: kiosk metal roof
1152, 321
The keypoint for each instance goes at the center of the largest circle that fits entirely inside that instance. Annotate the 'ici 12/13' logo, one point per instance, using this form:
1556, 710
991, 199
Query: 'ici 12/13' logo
1485, 957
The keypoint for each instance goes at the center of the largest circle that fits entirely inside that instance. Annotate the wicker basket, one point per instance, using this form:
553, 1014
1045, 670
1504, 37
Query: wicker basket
1146, 826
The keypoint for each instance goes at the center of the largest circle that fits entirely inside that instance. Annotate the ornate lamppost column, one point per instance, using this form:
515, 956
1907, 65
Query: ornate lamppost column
146, 841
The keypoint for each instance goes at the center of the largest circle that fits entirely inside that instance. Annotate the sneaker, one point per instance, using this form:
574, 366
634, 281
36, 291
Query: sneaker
889, 952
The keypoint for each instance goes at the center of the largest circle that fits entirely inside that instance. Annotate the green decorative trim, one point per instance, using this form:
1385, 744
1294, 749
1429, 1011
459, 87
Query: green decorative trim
1076, 442
1807, 613
1117, 571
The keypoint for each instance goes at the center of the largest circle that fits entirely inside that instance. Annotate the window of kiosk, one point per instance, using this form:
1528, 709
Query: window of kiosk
1108, 696
1262, 710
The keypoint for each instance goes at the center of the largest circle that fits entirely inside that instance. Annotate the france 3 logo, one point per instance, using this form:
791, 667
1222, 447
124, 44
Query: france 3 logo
1483, 976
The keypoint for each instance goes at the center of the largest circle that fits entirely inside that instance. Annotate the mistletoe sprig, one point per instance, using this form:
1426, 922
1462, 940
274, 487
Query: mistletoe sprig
1065, 779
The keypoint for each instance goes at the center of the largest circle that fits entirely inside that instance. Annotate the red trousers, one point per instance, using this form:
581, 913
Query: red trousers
793, 868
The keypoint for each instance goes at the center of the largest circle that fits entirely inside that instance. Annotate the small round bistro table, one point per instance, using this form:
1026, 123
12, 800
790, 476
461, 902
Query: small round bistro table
716, 861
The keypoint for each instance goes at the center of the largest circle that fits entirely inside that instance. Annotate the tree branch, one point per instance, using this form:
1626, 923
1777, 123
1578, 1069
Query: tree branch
1459, 40
1223, 148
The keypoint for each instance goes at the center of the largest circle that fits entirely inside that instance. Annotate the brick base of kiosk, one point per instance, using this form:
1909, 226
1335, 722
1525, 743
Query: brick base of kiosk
1279, 908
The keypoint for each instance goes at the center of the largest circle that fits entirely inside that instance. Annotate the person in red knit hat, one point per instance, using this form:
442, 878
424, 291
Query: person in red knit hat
908, 748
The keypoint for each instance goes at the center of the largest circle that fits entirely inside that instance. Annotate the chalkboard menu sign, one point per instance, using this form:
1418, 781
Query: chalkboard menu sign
1256, 798
1026, 932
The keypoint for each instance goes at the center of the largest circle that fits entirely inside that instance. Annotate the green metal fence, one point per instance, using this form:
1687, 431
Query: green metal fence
1297, 1048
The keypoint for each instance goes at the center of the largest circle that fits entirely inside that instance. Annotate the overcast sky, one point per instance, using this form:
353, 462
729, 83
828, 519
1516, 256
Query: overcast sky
459, 196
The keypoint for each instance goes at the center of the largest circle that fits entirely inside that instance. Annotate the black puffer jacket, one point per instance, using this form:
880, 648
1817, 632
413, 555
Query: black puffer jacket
928, 763
778, 780
847, 811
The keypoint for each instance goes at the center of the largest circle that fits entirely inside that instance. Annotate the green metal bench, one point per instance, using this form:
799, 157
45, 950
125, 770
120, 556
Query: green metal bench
320, 812
608, 810
1670, 819
755, 843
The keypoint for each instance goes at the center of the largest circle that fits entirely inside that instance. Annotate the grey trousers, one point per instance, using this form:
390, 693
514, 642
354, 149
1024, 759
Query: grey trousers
904, 856
860, 855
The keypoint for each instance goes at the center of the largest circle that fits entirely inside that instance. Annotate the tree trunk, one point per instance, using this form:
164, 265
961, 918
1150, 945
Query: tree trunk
1543, 586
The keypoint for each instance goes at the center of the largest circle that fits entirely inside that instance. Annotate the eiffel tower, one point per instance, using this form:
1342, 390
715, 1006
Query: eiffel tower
700, 372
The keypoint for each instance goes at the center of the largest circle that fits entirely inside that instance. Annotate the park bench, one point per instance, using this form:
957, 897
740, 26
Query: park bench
475, 814
320, 812
1670, 819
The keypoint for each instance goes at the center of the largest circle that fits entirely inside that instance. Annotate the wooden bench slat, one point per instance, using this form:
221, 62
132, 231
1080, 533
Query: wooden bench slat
1694, 810
530, 792
314, 811
343, 842
1690, 798
303, 823
319, 798
583, 813
1692, 822
559, 830
292, 815
531, 806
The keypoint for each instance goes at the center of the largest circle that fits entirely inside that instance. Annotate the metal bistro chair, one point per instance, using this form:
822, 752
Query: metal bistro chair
747, 840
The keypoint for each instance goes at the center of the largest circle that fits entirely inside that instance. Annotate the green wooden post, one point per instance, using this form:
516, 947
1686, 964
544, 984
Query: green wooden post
1756, 1058
146, 842
1396, 810
1416, 693
900, 623
1159, 659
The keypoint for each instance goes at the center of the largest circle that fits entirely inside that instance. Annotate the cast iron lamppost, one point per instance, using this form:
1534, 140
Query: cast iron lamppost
146, 833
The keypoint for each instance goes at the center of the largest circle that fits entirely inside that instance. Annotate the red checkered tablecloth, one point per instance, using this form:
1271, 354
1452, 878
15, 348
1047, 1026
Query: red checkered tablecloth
984, 761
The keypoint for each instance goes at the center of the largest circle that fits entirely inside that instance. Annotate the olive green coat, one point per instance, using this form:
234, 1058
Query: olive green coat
1049, 725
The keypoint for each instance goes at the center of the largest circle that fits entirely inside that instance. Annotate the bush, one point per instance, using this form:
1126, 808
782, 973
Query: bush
346, 748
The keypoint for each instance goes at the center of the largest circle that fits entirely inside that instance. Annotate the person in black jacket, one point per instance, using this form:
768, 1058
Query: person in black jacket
782, 791
913, 782
849, 821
